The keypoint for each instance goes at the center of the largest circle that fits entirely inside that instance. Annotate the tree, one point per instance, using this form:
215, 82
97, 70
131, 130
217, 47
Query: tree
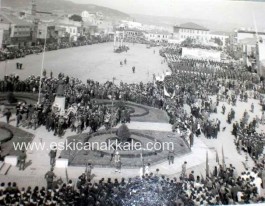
76, 17
187, 42
11, 98
123, 133
218, 41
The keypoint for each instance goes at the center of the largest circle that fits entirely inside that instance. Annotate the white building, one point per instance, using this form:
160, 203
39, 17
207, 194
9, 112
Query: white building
130, 25
158, 36
191, 30
261, 58
93, 18
248, 34
248, 40
73, 28
85, 15
14, 30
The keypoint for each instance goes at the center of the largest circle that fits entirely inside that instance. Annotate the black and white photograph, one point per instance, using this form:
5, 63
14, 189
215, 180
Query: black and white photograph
132, 102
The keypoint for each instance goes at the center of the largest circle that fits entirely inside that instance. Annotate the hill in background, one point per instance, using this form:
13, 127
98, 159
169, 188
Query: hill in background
169, 22
65, 6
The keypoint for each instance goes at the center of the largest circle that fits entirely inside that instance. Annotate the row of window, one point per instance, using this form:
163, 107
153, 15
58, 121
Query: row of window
193, 37
22, 27
25, 33
132, 33
72, 30
158, 36
192, 31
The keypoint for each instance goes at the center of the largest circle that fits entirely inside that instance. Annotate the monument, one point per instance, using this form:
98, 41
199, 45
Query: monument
59, 102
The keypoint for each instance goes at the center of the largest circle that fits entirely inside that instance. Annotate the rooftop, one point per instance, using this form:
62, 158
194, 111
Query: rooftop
250, 32
14, 20
194, 26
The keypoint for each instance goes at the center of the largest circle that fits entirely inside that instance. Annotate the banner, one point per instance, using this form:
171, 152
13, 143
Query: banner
196, 53
166, 93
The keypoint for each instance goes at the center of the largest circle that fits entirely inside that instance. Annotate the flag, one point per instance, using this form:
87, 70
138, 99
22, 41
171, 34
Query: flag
160, 78
207, 165
168, 73
217, 157
248, 62
165, 92
223, 157
154, 80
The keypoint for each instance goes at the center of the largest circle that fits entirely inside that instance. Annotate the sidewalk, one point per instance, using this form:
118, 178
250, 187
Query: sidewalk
35, 172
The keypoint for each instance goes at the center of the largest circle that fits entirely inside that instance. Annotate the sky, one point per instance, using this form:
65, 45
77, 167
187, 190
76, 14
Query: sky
221, 11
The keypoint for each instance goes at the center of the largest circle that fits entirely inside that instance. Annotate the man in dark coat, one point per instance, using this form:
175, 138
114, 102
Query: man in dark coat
22, 160
49, 176
52, 154
8, 115
170, 157
191, 139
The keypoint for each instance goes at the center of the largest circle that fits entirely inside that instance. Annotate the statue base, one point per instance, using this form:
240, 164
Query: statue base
59, 104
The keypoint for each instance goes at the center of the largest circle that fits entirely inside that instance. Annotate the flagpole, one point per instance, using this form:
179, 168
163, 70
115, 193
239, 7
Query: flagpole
5, 63
112, 99
207, 165
42, 63
223, 157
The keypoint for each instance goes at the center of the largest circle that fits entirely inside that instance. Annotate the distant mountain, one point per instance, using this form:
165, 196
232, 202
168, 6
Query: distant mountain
66, 6
169, 22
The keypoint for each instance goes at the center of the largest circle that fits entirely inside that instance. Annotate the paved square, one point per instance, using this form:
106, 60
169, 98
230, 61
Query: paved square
97, 62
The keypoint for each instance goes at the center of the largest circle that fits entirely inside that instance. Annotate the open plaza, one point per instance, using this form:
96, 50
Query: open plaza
129, 116
97, 62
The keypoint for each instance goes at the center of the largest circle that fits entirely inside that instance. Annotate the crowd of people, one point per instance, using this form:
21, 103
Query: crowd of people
193, 83
224, 186
15, 52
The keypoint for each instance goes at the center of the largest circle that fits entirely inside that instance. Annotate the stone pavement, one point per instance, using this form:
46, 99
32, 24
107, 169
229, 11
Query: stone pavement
34, 173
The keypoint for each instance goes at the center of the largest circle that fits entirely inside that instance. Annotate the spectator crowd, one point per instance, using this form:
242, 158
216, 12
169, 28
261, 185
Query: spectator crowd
201, 85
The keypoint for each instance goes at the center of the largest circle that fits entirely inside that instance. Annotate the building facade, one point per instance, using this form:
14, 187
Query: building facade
191, 30
94, 18
14, 31
248, 34
261, 58
158, 36
73, 28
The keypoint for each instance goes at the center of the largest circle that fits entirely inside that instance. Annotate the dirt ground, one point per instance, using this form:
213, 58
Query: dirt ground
97, 62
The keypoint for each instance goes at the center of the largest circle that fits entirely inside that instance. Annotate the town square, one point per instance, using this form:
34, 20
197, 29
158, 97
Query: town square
100, 106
